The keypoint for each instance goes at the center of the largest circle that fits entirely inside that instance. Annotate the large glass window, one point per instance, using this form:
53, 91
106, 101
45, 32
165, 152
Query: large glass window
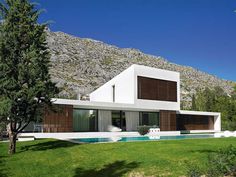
85, 120
149, 118
118, 119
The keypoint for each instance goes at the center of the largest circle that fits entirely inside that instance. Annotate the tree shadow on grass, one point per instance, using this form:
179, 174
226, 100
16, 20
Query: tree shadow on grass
55, 144
115, 169
206, 151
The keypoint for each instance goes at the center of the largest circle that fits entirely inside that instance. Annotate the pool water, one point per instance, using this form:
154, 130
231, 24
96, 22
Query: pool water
140, 138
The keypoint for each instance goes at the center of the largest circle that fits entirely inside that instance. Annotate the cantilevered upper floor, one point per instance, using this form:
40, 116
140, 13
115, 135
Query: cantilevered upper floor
142, 86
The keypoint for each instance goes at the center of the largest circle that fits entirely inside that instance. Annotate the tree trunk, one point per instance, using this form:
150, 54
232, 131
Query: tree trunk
12, 143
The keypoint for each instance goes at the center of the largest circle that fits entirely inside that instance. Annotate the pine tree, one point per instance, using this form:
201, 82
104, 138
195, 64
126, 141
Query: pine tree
25, 85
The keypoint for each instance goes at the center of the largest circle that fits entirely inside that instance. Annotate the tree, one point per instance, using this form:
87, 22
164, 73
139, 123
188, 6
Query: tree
25, 85
217, 100
193, 103
200, 100
234, 92
2, 129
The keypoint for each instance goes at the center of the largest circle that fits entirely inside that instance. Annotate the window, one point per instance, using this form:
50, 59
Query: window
156, 89
149, 118
113, 93
85, 120
195, 122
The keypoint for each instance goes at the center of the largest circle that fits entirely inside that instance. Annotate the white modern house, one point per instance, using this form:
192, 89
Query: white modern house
139, 95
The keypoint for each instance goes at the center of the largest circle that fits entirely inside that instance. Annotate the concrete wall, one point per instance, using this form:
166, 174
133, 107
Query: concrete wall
217, 122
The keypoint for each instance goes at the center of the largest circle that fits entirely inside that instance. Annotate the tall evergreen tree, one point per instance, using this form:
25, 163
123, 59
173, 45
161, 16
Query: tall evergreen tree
200, 100
25, 85
193, 107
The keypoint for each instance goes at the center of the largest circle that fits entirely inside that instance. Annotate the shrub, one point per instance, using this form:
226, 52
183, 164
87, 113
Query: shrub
223, 162
143, 130
220, 163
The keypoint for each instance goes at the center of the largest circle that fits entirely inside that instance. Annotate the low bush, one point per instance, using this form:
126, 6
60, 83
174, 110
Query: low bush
143, 130
221, 163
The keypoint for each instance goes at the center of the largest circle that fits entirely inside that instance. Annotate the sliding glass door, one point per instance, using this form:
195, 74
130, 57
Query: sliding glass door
149, 118
85, 120
118, 119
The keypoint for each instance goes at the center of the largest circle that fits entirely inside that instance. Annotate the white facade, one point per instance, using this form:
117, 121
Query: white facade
131, 111
126, 84
124, 89
121, 93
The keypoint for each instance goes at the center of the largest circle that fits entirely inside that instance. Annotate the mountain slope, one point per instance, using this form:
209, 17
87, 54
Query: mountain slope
81, 65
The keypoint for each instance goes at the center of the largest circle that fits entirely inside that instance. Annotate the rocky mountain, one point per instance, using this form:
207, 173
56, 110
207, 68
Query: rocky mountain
81, 65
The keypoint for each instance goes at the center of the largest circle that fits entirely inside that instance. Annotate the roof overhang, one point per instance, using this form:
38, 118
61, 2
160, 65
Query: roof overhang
121, 106
199, 113
102, 105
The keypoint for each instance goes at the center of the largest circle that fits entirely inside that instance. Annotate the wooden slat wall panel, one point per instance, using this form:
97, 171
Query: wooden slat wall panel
167, 120
162, 92
147, 89
156, 89
60, 121
195, 122
172, 91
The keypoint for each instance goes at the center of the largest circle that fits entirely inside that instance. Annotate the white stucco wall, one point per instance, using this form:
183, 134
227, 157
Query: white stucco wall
217, 122
124, 89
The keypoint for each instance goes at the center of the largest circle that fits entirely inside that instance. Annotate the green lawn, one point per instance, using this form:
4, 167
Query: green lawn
58, 158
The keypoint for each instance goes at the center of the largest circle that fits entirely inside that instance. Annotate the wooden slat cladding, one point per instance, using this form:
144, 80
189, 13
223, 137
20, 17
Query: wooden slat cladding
59, 121
156, 89
167, 120
195, 122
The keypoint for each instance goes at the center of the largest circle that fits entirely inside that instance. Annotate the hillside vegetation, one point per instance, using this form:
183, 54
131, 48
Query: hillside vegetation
82, 65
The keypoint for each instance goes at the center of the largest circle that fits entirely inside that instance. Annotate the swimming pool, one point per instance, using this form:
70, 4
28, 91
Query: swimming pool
140, 138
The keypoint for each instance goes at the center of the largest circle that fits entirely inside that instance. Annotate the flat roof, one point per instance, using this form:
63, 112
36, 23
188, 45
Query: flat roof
121, 106
199, 113
153, 68
100, 105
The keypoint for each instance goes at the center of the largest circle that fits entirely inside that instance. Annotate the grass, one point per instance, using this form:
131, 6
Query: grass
53, 158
